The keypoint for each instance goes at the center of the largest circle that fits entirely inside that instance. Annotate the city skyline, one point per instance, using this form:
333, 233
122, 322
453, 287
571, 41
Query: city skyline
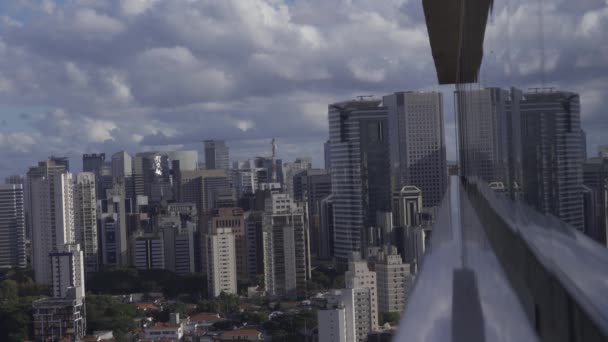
104, 115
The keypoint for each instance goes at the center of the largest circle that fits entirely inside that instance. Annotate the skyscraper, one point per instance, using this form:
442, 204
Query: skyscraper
489, 130
233, 218
51, 206
417, 143
595, 177
286, 249
552, 165
148, 251
112, 213
221, 261
290, 170
85, 215
326, 156
216, 155
12, 226
122, 164
93, 162
359, 171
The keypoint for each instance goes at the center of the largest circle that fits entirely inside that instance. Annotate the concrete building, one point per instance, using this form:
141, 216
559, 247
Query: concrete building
552, 165
122, 164
148, 251
12, 227
394, 280
51, 208
217, 155
417, 143
360, 171
332, 320
286, 247
326, 156
56, 319
490, 135
85, 216
234, 219
15, 180
183, 160
221, 261
67, 267
192, 186
360, 278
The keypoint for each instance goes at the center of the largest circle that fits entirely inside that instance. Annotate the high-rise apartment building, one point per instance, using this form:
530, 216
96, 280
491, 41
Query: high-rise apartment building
286, 247
179, 243
360, 278
255, 244
51, 206
217, 155
417, 143
489, 122
14, 179
61, 161
12, 227
221, 261
360, 171
233, 218
552, 165
85, 216
333, 319
394, 280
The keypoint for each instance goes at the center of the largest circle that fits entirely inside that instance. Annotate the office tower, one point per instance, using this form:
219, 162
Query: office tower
286, 250
85, 216
218, 192
589, 207
51, 208
12, 227
269, 169
361, 278
552, 165
489, 133
394, 280
417, 143
216, 155
112, 213
60, 319
122, 164
595, 177
326, 228
61, 161
290, 170
184, 160
255, 244
148, 251
14, 179
360, 171
234, 219
311, 186
67, 265
105, 179
93, 162
245, 181
192, 187
152, 176
326, 156
583, 144
221, 261
179, 239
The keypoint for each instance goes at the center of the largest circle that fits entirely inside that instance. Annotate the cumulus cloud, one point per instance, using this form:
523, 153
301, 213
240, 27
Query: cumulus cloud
138, 74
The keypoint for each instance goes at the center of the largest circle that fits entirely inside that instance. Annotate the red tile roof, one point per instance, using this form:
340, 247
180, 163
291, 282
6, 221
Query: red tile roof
147, 306
206, 317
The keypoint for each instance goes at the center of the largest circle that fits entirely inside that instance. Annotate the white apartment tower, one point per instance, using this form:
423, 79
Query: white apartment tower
85, 215
221, 261
360, 278
50, 192
286, 247
394, 280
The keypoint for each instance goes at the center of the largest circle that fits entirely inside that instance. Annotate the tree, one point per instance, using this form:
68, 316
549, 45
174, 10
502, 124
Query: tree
389, 317
9, 294
108, 313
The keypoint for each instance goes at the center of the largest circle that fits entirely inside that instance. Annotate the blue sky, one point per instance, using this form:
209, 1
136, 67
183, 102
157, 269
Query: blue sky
105, 75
